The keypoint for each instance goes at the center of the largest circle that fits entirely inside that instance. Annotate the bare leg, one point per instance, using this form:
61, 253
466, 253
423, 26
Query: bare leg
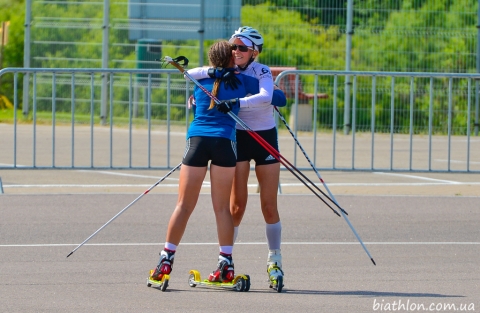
239, 194
221, 179
191, 179
268, 178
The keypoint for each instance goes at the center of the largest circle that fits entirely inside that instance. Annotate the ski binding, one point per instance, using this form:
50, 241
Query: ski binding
162, 284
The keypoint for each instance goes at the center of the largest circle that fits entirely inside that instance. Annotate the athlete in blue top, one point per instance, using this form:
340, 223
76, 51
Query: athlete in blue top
214, 123
211, 138
257, 113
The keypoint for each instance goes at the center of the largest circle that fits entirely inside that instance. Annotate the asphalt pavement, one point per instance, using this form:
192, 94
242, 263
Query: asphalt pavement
420, 228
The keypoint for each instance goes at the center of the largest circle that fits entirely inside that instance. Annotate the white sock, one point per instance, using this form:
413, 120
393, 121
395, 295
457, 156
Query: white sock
226, 249
170, 246
274, 235
235, 233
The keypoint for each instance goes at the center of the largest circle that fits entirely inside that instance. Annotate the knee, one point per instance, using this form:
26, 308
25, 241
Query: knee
270, 213
237, 210
184, 208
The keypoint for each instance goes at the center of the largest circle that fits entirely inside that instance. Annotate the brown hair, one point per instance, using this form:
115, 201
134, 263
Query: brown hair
219, 55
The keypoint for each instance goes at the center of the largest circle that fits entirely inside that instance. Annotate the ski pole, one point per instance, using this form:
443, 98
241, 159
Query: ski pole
306, 156
258, 138
131, 203
324, 184
281, 159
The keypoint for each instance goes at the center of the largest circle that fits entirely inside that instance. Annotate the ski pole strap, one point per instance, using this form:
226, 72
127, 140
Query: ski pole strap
180, 59
179, 62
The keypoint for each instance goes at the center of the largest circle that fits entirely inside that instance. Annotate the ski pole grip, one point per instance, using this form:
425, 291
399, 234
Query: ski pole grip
175, 62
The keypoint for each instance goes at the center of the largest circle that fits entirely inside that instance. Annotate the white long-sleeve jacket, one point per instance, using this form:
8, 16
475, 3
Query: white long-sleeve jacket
255, 110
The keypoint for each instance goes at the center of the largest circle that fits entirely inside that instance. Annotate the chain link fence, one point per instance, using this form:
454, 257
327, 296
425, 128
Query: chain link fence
385, 35
388, 35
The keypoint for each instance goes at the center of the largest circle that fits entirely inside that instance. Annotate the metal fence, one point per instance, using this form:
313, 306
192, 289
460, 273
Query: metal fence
398, 121
416, 110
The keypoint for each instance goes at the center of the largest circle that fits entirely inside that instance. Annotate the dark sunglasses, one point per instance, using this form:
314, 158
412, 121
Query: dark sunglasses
241, 48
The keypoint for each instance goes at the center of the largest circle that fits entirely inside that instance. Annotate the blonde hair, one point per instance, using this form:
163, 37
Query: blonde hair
219, 55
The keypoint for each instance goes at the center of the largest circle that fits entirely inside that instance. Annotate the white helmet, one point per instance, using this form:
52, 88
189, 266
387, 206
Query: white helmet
251, 34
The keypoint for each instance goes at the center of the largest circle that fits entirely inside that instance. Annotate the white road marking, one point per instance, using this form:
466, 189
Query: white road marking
11, 165
127, 175
456, 161
207, 185
248, 243
417, 177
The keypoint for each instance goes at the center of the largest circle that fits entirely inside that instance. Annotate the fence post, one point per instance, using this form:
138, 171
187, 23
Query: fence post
105, 39
348, 59
201, 32
476, 123
477, 95
26, 53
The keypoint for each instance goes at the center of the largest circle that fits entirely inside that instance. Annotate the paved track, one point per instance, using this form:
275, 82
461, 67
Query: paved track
421, 229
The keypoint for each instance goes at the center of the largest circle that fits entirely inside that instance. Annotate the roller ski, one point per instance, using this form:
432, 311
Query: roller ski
222, 277
161, 284
274, 270
160, 276
239, 283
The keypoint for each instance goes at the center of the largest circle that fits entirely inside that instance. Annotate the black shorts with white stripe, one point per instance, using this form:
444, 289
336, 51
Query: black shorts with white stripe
249, 149
201, 149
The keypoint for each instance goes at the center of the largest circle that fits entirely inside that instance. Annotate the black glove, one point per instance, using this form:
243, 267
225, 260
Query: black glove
227, 105
227, 75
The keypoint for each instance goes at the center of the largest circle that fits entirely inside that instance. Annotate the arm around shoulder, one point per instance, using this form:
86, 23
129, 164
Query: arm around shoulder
198, 73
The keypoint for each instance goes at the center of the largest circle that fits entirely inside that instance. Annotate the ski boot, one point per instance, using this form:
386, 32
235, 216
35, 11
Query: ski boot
224, 272
274, 270
160, 275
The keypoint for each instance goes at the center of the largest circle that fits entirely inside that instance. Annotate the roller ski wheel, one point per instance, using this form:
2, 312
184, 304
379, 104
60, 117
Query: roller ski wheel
162, 284
277, 284
239, 283
276, 278
247, 282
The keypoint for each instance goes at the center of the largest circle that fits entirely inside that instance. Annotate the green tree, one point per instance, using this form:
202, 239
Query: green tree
13, 50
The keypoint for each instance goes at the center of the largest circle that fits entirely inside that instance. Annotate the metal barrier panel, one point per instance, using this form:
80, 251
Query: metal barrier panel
145, 115
396, 121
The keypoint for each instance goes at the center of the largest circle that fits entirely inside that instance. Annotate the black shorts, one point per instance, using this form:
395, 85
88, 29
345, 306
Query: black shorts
249, 149
200, 150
